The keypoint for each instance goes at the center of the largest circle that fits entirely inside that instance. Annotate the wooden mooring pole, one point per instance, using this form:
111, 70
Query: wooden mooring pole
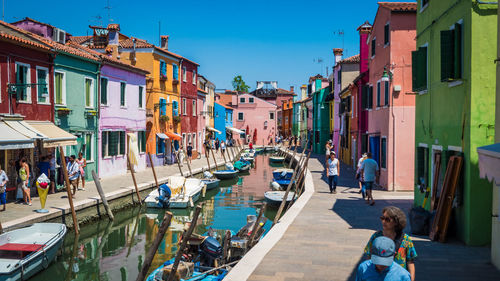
293, 157
68, 189
187, 162
154, 247
153, 168
256, 226
131, 168
300, 183
185, 238
103, 197
178, 162
215, 161
207, 155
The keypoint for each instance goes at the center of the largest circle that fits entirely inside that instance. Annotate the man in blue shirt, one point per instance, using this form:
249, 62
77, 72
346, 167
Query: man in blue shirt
381, 266
370, 173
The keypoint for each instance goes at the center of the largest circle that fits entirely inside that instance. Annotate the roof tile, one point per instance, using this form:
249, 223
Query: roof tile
399, 6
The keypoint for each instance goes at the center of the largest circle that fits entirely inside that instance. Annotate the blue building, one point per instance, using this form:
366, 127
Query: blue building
222, 120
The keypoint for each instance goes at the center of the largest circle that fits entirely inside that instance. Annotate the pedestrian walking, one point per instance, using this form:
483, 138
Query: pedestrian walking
181, 156
3, 188
82, 162
222, 147
24, 175
370, 172
73, 169
381, 265
359, 176
393, 224
189, 151
332, 172
52, 172
217, 145
328, 148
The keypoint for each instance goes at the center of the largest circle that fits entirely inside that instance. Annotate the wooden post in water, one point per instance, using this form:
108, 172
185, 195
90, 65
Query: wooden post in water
68, 189
207, 155
178, 162
256, 226
185, 237
153, 168
152, 251
299, 186
215, 161
103, 197
74, 254
225, 248
131, 168
189, 165
223, 156
293, 157
285, 197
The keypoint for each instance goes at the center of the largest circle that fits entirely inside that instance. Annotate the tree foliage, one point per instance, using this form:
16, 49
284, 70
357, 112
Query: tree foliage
240, 85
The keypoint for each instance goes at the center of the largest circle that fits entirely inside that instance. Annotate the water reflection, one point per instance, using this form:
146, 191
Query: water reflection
116, 250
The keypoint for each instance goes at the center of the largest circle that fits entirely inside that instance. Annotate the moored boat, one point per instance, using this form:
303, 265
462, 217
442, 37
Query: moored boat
225, 174
211, 183
276, 159
242, 165
274, 198
178, 192
282, 173
26, 251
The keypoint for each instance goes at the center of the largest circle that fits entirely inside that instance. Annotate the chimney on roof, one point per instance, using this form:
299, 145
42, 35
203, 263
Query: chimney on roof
113, 34
292, 89
303, 91
338, 54
164, 42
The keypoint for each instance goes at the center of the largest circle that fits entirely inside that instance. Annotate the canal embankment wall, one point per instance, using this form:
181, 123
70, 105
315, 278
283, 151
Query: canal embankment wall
253, 258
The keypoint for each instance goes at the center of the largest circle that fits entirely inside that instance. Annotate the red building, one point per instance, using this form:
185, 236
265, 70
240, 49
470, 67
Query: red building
189, 96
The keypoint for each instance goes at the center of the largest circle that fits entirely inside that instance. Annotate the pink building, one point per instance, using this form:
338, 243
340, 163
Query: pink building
256, 114
391, 110
201, 111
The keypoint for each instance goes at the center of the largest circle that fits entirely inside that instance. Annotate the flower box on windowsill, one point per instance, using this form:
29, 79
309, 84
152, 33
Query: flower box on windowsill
175, 81
90, 113
62, 111
163, 77
164, 118
177, 119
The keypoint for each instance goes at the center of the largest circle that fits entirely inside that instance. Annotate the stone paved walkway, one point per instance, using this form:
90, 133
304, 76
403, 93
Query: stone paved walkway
326, 240
18, 215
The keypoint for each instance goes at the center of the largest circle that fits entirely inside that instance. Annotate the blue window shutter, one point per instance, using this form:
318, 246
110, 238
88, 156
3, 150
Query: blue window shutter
163, 106
176, 71
175, 106
163, 69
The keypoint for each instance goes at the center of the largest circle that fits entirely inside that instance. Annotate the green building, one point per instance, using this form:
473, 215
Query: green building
295, 120
321, 119
454, 83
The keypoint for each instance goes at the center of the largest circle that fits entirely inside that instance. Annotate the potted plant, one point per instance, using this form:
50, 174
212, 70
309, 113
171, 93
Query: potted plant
164, 118
177, 119
63, 111
91, 113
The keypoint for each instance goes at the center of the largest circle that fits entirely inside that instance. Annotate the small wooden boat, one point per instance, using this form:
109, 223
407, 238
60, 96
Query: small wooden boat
248, 158
282, 173
276, 159
242, 165
186, 271
183, 193
274, 198
26, 251
283, 182
259, 150
211, 183
225, 174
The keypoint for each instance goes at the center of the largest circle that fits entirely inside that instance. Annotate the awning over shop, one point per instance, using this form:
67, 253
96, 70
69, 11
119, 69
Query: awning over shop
55, 136
12, 139
213, 130
234, 130
161, 136
173, 136
25, 129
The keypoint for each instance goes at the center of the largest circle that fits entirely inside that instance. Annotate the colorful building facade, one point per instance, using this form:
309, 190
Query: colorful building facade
454, 77
256, 114
189, 96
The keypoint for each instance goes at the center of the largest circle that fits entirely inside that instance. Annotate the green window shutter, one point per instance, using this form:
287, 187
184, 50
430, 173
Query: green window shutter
140, 96
447, 54
122, 94
386, 34
59, 87
378, 94
88, 147
414, 71
370, 97
457, 54
143, 144
104, 91
122, 142
113, 143
386, 93
88, 83
104, 143
422, 68
42, 84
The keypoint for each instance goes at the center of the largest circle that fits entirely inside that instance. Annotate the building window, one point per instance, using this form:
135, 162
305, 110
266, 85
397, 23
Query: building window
194, 108
23, 77
88, 151
60, 88
386, 34
113, 143
386, 92
184, 74
422, 165
175, 108
194, 141
183, 140
194, 77
104, 144
42, 89
104, 91
184, 108
160, 145
123, 138
89, 92
423, 5
141, 90
383, 152
163, 107
374, 44
123, 87
175, 71
141, 141
242, 100
378, 94
271, 115
163, 70
419, 69
250, 100
451, 53
240, 116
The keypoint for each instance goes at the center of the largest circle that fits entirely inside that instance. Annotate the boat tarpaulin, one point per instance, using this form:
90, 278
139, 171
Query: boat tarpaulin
55, 135
234, 130
214, 130
12, 139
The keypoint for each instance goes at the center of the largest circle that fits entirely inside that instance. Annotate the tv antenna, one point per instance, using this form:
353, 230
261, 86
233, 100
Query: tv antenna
340, 33
97, 19
320, 62
108, 7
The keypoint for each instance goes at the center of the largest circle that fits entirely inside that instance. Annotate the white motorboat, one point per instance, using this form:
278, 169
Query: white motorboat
274, 198
183, 193
27, 251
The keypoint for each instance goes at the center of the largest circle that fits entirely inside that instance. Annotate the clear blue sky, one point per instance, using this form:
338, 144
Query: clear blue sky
260, 40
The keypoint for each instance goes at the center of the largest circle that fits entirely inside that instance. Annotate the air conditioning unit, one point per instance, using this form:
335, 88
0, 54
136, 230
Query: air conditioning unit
59, 35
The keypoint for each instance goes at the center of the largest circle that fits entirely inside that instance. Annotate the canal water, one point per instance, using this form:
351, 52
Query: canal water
116, 251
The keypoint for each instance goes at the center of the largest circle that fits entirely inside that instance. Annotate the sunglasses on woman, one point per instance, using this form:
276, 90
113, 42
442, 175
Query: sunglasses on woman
386, 219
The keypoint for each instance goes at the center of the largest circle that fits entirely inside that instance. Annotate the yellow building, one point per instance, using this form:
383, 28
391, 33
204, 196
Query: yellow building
162, 84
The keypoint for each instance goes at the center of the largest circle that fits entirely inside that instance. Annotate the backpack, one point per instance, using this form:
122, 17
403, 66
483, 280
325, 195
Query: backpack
22, 174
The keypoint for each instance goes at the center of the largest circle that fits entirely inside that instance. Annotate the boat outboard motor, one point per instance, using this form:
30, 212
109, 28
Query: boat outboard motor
210, 250
275, 186
164, 195
207, 174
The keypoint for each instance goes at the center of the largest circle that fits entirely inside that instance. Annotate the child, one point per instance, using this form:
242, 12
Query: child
3, 185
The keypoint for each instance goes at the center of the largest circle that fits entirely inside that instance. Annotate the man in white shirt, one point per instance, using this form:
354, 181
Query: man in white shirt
371, 173
332, 172
73, 173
